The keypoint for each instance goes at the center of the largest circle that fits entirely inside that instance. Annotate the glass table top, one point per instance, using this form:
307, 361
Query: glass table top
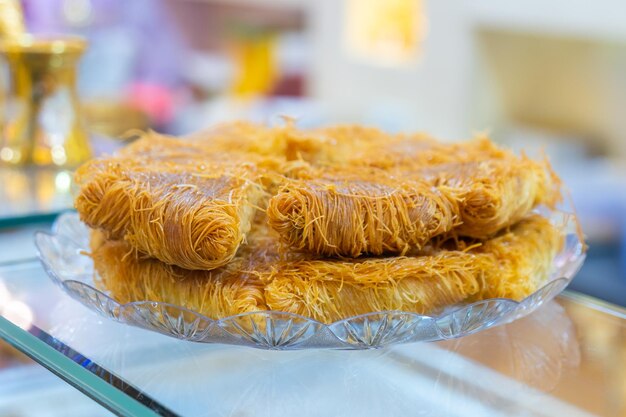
567, 358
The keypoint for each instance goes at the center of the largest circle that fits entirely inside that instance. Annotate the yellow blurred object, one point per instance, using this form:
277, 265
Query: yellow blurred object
11, 19
387, 32
113, 118
39, 114
256, 63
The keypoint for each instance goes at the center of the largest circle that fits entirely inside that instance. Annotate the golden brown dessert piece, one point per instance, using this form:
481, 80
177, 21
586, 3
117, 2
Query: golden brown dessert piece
417, 151
415, 189
229, 290
238, 137
355, 212
258, 279
331, 145
171, 202
523, 258
492, 187
324, 145
216, 293
513, 264
494, 193
331, 290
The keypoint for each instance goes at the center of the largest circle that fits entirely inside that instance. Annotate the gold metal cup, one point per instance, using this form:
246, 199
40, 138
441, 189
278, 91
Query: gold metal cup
40, 119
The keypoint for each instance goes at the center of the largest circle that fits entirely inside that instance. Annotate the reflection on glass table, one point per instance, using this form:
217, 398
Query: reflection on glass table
30, 193
33, 194
566, 359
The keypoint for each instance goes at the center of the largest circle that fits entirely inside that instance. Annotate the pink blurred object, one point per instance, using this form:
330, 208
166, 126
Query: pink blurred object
156, 100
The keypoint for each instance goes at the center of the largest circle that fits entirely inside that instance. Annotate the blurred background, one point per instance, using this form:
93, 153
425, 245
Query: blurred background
546, 76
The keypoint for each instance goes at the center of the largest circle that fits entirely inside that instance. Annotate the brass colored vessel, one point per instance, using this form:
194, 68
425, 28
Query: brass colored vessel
40, 119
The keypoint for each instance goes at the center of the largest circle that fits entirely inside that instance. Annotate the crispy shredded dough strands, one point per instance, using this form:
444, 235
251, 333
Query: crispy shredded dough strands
410, 152
493, 194
523, 257
216, 293
512, 265
492, 187
222, 292
350, 217
174, 221
327, 145
171, 202
474, 188
331, 290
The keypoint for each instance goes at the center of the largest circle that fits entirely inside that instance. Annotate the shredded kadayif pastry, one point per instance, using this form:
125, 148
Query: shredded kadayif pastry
229, 290
492, 187
332, 290
410, 152
216, 293
523, 256
441, 223
495, 193
172, 203
326, 145
356, 211
259, 278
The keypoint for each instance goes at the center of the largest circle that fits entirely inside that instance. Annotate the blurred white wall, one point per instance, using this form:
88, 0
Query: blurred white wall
445, 93
431, 95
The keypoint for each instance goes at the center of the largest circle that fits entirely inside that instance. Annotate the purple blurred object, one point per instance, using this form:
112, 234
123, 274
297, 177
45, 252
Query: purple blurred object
129, 41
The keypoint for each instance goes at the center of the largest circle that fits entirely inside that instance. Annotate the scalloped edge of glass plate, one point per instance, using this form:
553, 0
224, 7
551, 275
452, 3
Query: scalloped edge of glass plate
63, 254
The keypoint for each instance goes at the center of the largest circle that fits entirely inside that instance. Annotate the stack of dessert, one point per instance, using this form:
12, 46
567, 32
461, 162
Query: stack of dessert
326, 223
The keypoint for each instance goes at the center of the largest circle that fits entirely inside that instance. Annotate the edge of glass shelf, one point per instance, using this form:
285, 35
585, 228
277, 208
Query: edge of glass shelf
107, 389
25, 219
595, 303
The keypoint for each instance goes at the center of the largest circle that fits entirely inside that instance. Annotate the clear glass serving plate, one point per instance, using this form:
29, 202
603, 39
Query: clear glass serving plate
63, 253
